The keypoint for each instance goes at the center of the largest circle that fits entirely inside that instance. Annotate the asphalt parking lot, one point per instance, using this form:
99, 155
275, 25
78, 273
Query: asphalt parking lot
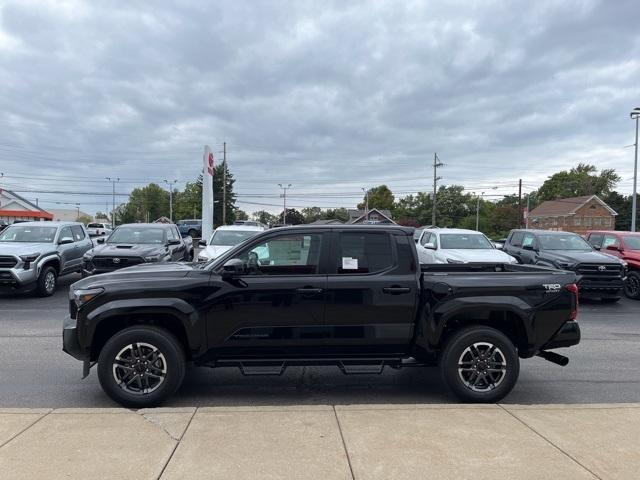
34, 372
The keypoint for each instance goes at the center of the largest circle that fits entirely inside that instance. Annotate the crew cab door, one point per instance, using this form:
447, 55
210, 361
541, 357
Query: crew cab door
276, 306
371, 293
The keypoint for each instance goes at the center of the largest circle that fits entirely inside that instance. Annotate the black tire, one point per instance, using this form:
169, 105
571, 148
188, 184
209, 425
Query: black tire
47, 282
192, 233
460, 348
172, 359
610, 300
190, 256
632, 285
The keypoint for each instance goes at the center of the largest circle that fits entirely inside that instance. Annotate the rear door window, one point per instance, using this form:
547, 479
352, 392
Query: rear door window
363, 252
78, 232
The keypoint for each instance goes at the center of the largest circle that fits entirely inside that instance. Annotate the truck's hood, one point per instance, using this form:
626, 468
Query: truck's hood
144, 271
127, 250
489, 255
214, 251
577, 256
24, 248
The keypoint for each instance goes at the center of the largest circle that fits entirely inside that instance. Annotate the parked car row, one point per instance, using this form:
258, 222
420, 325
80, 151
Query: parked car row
34, 254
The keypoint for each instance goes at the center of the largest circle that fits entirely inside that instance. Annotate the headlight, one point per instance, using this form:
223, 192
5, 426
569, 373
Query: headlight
153, 258
451, 260
203, 257
566, 266
86, 257
82, 296
27, 259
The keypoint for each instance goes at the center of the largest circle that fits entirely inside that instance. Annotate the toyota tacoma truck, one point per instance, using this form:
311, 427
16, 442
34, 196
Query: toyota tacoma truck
34, 254
355, 297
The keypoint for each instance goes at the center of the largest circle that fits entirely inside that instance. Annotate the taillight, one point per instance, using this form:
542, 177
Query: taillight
573, 288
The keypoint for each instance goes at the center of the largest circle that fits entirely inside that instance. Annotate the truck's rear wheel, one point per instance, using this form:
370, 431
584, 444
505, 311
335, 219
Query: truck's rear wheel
141, 366
480, 364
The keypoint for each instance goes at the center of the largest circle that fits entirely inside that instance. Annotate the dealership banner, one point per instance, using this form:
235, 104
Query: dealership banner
207, 193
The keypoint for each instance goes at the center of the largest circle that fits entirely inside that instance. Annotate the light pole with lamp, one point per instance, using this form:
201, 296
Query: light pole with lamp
171, 183
478, 211
635, 113
284, 202
366, 203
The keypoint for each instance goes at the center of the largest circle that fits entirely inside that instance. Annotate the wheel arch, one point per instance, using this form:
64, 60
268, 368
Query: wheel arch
173, 315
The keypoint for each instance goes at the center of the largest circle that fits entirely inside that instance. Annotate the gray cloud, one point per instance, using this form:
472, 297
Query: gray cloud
329, 96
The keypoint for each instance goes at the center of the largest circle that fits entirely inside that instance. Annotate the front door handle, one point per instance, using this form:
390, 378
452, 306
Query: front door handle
309, 291
396, 290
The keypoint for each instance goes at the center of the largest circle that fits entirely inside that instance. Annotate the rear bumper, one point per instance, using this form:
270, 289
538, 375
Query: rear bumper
567, 336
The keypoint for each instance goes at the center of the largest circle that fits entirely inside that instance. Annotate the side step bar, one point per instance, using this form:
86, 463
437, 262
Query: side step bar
348, 366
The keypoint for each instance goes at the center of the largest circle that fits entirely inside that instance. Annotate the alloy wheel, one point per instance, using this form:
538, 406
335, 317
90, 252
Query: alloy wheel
49, 281
139, 368
482, 367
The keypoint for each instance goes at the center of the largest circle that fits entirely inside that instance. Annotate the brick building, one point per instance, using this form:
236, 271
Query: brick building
577, 214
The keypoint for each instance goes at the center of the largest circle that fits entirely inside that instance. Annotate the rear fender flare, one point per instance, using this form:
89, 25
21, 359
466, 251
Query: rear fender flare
434, 321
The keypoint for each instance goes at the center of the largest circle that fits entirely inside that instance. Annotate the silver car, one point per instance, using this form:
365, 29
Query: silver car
34, 254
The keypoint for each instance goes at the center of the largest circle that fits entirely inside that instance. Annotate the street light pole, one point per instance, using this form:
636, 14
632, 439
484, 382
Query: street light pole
284, 202
113, 211
366, 203
170, 183
78, 212
635, 113
478, 211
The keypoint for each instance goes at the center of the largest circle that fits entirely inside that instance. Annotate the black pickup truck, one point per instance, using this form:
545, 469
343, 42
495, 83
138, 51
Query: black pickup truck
351, 296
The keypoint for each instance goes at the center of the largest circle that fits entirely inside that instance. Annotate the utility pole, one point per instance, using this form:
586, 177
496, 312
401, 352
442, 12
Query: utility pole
635, 113
224, 183
520, 203
113, 211
436, 163
478, 211
284, 202
170, 183
526, 220
366, 203
78, 211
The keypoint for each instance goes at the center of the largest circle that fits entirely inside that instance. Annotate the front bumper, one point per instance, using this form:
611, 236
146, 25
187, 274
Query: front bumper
17, 280
70, 343
567, 336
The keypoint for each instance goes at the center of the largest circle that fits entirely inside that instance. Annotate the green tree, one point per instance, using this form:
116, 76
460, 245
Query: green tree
265, 217
241, 215
336, 214
294, 217
579, 181
101, 215
380, 197
84, 219
416, 207
145, 204
311, 214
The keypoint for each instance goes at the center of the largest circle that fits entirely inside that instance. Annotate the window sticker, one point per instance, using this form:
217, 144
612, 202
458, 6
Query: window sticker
349, 263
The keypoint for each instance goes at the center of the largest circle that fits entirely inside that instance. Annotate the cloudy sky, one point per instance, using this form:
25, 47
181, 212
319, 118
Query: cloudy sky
327, 96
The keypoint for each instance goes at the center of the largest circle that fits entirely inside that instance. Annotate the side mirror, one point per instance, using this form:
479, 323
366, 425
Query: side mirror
173, 241
232, 268
202, 243
65, 240
613, 247
100, 240
430, 246
416, 240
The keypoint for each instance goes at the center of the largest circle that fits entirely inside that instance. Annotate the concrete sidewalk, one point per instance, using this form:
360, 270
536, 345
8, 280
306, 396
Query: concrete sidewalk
324, 442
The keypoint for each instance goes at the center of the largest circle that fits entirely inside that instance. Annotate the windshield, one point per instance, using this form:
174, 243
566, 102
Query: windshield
28, 234
230, 237
632, 242
137, 235
464, 241
563, 242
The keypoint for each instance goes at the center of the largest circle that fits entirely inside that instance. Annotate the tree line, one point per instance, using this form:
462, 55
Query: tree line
455, 207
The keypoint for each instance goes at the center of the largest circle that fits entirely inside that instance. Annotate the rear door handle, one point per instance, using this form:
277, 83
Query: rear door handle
396, 290
309, 291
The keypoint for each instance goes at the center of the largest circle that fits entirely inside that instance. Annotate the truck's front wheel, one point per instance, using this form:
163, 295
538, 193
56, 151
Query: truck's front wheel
480, 364
141, 366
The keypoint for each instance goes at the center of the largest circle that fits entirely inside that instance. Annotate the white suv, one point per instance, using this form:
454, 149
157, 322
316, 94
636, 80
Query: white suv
455, 245
224, 238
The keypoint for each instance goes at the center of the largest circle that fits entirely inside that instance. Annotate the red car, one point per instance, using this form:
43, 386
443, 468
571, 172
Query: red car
624, 245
